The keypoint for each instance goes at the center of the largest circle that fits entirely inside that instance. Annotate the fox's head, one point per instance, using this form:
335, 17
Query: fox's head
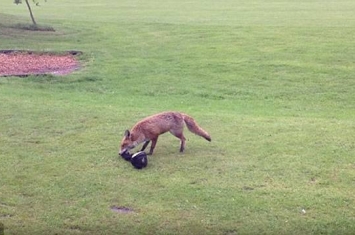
127, 142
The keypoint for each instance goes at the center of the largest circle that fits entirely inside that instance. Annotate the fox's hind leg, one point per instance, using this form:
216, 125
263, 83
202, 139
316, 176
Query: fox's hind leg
182, 143
182, 138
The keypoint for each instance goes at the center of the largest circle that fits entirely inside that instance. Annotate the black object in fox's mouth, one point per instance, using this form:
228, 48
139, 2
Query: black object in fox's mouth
126, 155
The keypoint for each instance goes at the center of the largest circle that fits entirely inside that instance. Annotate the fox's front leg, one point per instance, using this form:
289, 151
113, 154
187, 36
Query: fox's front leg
145, 145
152, 146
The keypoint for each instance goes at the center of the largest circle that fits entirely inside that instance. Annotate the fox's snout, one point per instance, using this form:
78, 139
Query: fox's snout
124, 149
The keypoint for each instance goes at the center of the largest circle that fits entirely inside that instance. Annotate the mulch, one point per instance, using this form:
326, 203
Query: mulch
25, 63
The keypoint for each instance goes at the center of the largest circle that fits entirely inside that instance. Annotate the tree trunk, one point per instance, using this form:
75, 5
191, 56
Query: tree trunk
29, 8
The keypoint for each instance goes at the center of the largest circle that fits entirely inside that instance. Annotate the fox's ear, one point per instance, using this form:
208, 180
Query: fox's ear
127, 134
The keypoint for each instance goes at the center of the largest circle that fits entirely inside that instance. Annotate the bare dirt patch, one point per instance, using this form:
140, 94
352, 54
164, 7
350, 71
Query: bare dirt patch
121, 209
24, 63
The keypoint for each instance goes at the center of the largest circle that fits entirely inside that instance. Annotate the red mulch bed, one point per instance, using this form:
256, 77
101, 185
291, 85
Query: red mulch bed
24, 63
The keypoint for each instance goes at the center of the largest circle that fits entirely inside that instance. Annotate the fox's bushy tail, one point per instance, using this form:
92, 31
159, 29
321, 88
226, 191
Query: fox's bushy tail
194, 127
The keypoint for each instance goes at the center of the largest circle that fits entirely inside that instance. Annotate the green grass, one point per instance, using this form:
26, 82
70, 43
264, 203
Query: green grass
271, 81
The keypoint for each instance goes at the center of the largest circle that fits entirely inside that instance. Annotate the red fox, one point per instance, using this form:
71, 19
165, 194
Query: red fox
151, 127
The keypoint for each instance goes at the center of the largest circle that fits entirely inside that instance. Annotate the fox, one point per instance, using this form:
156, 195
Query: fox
148, 130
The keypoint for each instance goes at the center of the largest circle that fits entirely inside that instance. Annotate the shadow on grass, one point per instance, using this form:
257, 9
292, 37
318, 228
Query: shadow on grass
7, 21
32, 27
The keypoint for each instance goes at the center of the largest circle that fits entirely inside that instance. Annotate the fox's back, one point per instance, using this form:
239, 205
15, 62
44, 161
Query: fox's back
160, 123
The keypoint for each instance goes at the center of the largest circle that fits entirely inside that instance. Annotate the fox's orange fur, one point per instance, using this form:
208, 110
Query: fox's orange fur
151, 127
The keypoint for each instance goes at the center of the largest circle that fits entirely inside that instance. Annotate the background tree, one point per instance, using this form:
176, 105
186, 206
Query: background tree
29, 8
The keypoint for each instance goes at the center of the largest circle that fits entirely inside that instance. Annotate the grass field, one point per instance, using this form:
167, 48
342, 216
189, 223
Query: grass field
272, 81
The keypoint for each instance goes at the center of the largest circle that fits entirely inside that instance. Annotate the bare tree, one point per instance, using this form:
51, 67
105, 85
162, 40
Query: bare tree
29, 8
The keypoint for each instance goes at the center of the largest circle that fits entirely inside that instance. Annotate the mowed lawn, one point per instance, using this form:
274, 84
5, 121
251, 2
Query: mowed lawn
273, 82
